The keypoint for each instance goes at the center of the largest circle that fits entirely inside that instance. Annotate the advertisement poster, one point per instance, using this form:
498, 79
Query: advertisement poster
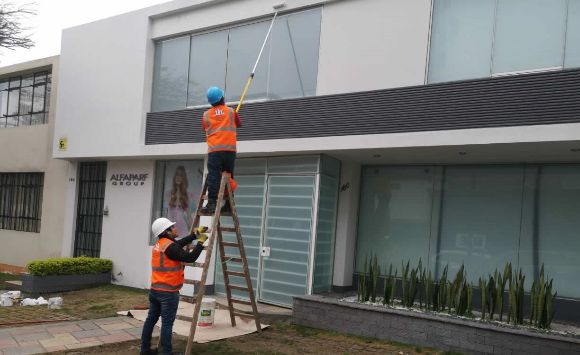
182, 183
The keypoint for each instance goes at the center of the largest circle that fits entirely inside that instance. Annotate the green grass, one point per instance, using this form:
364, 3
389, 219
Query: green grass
7, 277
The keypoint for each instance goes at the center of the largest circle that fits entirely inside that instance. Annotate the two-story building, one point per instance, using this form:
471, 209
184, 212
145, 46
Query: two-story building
32, 183
443, 130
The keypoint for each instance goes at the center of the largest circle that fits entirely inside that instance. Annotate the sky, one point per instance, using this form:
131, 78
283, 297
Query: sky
55, 15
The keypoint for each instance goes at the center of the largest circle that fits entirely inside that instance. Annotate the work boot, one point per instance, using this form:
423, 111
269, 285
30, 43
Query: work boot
226, 208
209, 208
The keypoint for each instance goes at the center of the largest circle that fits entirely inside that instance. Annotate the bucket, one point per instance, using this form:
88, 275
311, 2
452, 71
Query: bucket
5, 300
55, 303
206, 312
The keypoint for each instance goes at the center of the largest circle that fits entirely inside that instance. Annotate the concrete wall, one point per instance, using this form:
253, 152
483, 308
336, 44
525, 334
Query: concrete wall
28, 149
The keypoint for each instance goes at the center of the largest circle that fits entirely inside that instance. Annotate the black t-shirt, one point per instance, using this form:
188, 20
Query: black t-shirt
176, 252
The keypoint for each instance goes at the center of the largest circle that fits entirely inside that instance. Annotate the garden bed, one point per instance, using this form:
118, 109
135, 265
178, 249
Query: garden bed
430, 329
33, 284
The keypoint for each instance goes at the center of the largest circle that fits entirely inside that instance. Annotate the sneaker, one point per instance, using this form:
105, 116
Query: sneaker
209, 208
226, 208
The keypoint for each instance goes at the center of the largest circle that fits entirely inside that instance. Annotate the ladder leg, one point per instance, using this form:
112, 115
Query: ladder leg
244, 259
224, 266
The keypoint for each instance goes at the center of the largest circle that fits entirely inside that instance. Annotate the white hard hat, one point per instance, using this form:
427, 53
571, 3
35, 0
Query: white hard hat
160, 225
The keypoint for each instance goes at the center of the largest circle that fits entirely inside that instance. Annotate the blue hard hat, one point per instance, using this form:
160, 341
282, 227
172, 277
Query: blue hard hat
214, 94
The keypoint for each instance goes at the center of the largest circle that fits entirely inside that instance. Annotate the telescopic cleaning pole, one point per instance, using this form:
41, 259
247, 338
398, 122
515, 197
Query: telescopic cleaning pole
251, 77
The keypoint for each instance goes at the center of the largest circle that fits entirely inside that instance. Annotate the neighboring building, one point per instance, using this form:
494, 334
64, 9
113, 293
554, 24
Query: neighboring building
444, 130
32, 184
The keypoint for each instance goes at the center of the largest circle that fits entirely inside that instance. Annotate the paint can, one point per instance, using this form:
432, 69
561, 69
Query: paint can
206, 312
5, 300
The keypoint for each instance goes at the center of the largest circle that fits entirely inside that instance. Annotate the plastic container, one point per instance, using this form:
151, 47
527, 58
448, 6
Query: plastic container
206, 312
5, 300
55, 303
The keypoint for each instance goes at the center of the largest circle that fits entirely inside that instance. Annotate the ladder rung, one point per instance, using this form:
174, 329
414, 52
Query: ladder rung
191, 282
228, 244
236, 273
233, 258
228, 229
198, 264
244, 315
184, 318
238, 287
235, 300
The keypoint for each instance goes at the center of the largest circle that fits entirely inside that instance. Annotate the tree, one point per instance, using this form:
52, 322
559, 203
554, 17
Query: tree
12, 33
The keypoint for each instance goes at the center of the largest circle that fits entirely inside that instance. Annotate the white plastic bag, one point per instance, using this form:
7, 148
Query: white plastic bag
55, 303
14, 294
5, 300
41, 301
29, 302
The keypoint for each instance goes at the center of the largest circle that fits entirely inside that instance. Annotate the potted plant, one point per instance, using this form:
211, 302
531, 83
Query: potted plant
66, 274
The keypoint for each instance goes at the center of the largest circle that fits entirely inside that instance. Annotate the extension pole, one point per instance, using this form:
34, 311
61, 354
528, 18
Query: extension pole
256, 65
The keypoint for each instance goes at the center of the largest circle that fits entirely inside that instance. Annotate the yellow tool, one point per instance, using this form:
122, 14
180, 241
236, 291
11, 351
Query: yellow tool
251, 77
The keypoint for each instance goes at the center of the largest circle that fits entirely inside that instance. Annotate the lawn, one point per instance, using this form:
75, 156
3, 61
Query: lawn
281, 338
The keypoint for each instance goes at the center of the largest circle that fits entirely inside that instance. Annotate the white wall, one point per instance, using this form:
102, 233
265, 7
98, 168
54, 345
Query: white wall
373, 44
28, 149
127, 228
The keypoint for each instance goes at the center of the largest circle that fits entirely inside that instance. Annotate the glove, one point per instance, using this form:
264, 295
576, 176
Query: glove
201, 238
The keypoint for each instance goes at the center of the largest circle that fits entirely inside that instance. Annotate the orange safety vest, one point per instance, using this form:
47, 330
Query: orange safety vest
220, 129
167, 274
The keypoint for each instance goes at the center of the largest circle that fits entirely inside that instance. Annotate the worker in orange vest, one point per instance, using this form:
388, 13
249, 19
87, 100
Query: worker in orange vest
220, 124
167, 277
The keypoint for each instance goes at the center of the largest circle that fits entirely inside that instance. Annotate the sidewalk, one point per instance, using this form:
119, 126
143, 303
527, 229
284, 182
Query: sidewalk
38, 339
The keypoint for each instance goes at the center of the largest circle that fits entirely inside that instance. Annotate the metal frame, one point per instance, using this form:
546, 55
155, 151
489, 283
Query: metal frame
34, 86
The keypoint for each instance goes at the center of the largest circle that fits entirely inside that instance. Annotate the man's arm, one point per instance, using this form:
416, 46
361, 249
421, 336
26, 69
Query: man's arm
185, 240
238, 120
175, 252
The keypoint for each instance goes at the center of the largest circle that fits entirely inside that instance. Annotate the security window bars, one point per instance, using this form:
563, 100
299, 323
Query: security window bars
24, 99
21, 201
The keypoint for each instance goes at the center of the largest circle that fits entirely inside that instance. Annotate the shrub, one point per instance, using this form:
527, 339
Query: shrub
69, 266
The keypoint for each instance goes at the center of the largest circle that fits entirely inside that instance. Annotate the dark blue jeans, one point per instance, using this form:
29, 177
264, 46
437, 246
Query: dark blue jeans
218, 162
162, 304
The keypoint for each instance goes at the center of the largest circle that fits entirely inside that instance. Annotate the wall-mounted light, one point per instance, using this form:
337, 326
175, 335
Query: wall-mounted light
106, 211
376, 155
575, 150
462, 153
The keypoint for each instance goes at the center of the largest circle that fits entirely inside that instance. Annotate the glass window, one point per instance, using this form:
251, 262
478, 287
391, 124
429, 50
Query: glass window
461, 39
207, 66
38, 98
480, 219
529, 34
26, 100
558, 224
178, 184
170, 74
394, 215
294, 58
573, 35
21, 201
244, 46
13, 99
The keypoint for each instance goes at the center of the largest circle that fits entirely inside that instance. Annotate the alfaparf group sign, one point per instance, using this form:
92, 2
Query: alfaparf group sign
122, 179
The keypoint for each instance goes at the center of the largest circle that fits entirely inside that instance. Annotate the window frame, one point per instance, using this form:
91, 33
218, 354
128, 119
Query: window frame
21, 197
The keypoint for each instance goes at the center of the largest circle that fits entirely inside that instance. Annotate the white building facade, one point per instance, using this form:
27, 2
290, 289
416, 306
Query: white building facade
32, 184
444, 130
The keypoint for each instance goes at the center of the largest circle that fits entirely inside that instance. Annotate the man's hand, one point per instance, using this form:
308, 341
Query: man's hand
201, 238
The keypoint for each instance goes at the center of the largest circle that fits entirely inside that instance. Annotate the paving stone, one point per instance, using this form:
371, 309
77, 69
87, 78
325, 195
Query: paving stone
55, 348
4, 343
64, 329
88, 325
114, 338
59, 339
24, 350
84, 345
117, 326
29, 337
89, 333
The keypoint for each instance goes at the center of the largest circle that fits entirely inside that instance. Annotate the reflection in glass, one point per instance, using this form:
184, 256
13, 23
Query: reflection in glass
573, 35
395, 215
207, 65
170, 74
38, 99
13, 98
529, 34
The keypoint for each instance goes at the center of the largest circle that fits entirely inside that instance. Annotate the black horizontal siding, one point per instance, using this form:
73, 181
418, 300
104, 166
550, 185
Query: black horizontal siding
532, 99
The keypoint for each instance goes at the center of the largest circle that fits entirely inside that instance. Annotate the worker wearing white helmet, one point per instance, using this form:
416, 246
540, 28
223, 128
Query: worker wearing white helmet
167, 278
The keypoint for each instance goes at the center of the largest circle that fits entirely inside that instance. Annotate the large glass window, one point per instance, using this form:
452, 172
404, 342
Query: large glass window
529, 35
170, 74
395, 215
470, 37
461, 39
24, 99
573, 35
479, 216
187, 66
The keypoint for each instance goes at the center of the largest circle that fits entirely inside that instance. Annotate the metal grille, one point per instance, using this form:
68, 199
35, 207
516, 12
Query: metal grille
21, 201
531, 99
91, 197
